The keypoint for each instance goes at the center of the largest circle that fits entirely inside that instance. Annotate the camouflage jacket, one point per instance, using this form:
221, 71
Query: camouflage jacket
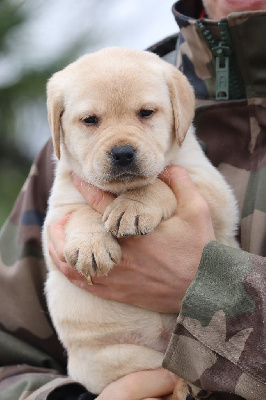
219, 341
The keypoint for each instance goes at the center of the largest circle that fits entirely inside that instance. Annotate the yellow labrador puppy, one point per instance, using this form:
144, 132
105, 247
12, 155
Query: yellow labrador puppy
118, 117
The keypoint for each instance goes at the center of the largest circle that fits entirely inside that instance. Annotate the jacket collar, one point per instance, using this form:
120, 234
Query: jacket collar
236, 69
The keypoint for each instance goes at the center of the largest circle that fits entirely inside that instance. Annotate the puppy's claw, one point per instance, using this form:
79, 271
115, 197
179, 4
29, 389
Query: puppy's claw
137, 223
119, 221
140, 231
111, 258
93, 262
189, 395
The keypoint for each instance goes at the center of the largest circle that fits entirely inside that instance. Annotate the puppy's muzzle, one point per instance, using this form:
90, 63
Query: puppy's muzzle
123, 156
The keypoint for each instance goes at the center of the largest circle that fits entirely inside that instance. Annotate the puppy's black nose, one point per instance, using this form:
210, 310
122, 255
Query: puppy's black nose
122, 156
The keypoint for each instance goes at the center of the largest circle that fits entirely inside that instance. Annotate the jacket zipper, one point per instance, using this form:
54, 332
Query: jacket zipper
228, 81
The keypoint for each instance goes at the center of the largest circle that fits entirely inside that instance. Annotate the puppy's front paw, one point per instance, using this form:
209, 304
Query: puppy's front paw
126, 217
187, 391
92, 253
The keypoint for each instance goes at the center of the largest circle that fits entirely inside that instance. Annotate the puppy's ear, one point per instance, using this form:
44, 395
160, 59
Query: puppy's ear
55, 109
183, 102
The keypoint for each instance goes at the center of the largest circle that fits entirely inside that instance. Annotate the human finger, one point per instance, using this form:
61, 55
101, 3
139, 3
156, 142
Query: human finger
187, 194
140, 385
57, 236
96, 198
178, 179
70, 273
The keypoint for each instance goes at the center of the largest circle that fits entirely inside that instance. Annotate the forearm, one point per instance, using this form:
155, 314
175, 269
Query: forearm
24, 381
219, 337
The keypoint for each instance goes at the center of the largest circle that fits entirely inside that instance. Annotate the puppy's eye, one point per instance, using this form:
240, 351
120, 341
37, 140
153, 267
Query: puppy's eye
145, 113
91, 120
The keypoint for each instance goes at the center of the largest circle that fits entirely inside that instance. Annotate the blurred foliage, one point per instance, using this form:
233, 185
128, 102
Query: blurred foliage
27, 88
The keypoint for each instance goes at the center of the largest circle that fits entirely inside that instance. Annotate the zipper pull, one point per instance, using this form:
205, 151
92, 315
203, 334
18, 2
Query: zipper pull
221, 54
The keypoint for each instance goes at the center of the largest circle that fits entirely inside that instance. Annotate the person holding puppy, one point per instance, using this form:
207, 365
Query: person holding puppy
219, 292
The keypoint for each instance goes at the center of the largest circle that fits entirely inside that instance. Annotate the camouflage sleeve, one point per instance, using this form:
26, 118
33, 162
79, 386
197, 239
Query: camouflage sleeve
32, 361
219, 342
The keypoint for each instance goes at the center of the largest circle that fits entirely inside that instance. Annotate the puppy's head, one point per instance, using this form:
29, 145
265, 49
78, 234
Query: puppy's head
115, 114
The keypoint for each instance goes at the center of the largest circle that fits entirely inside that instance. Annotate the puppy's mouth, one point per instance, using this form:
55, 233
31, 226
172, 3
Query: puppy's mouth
126, 174
125, 177
123, 180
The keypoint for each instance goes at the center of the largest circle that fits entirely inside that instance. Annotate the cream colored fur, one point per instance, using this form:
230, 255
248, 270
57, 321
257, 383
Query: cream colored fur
105, 339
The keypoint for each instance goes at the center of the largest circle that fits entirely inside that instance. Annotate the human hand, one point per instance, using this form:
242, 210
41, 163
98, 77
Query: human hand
155, 270
141, 385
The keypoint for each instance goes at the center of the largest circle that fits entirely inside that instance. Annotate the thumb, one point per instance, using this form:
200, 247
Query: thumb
96, 198
185, 191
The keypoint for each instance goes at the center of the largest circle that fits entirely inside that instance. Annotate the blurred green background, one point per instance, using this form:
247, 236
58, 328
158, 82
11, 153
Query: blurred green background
22, 96
39, 37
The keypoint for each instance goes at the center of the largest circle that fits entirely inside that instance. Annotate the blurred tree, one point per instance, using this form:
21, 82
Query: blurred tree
21, 94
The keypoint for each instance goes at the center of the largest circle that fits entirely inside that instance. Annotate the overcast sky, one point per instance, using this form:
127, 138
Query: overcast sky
56, 23
134, 23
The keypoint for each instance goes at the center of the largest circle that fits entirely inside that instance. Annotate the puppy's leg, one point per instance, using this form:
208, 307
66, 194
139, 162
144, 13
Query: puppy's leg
139, 211
89, 247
